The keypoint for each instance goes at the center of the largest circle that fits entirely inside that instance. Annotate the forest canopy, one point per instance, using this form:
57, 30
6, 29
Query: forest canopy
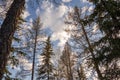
59, 39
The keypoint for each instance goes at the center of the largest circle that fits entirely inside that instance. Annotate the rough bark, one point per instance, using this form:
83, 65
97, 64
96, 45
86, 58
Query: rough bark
7, 31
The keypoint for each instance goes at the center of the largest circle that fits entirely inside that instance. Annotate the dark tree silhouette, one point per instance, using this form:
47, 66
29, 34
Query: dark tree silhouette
7, 31
107, 15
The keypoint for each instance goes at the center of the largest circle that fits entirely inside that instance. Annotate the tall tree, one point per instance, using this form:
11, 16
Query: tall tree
45, 69
88, 42
36, 28
7, 31
82, 22
67, 60
107, 15
29, 47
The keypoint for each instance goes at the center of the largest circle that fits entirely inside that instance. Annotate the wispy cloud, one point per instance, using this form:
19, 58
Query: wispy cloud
53, 18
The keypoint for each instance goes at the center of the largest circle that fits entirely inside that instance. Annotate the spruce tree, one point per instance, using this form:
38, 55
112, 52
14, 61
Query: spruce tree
45, 68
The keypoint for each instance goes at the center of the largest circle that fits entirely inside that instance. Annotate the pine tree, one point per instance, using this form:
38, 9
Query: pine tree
45, 69
7, 31
107, 15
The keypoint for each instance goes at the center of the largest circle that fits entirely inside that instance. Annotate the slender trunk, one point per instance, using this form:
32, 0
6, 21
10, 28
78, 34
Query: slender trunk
57, 74
7, 31
70, 71
68, 76
34, 52
67, 62
93, 56
90, 48
48, 71
68, 65
78, 71
48, 76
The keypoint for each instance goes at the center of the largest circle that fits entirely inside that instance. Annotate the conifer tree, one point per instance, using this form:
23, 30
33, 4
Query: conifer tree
7, 31
67, 61
45, 68
107, 15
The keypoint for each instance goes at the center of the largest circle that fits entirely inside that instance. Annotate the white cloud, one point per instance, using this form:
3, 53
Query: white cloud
53, 16
63, 36
66, 0
85, 0
46, 5
54, 19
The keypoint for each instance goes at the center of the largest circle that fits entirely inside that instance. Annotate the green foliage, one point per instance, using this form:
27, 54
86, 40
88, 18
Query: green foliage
45, 69
107, 15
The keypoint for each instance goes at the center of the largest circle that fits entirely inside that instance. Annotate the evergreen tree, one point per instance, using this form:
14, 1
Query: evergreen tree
45, 69
7, 31
67, 61
107, 15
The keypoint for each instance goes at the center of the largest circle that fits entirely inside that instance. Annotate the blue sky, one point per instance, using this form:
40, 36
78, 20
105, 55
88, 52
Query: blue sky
52, 17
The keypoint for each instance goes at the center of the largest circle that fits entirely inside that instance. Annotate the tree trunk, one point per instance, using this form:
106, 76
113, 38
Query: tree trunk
90, 48
78, 72
69, 63
7, 31
93, 56
34, 52
48, 73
